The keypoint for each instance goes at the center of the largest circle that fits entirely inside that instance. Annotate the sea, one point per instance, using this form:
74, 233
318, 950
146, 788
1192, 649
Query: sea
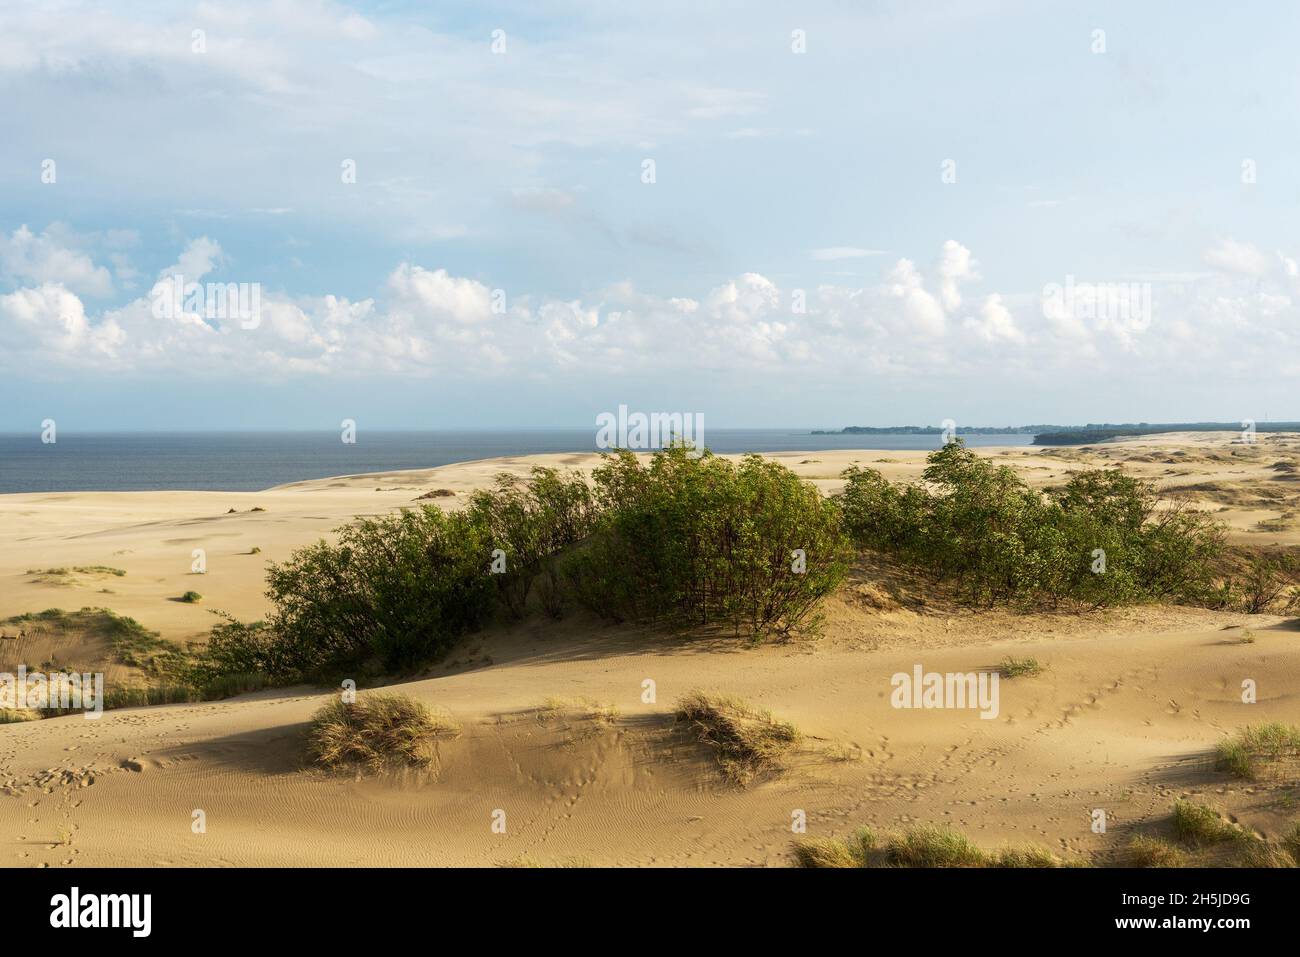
252, 461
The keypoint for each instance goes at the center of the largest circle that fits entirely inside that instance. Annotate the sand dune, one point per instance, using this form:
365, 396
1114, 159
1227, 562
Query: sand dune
1123, 717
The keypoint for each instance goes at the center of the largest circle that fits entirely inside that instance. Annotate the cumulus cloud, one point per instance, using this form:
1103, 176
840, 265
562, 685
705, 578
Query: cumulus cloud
46, 258
1244, 259
955, 268
995, 323
426, 322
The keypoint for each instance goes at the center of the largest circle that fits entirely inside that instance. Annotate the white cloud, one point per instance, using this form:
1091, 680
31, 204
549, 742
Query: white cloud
27, 257
428, 322
1245, 259
200, 257
956, 267
995, 323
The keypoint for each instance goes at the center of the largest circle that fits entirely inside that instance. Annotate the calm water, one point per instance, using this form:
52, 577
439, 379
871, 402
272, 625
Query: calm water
250, 461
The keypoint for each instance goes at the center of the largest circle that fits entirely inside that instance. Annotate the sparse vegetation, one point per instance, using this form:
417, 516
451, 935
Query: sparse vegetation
1019, 667
749, 742
1201, 825
1143, 851
927, 845
1291, 842
191, 598
378, 731
1258, 750
854, 851
65, 576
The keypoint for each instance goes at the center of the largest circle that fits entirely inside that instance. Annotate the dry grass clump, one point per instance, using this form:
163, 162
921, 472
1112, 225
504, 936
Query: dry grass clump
18, 715
1201, 825
853, 851
928, 845
1257, 749
1153, 852
932, 845
377, 731
748, 741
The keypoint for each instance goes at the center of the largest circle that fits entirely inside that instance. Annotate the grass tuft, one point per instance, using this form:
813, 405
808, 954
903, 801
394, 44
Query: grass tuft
748, 741
377, 731
1201, 825
1257, 749
1019, 667
928, 845
854, 851
1153, 852
932, 845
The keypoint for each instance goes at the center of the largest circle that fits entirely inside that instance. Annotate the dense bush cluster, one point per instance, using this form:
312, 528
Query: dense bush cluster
1101, 539
687, 539
697, 540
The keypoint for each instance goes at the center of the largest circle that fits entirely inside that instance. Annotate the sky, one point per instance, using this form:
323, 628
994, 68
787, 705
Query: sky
524, 214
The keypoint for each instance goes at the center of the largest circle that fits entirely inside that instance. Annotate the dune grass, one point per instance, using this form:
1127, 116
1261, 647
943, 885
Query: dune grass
1258, 749
1200, 825
748, 741
59, 576
928, 845
1153, 852
1291, 841
378, 731
1019, 667
853, 851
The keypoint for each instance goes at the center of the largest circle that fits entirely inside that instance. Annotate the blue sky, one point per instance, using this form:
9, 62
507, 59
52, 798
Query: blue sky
499, 260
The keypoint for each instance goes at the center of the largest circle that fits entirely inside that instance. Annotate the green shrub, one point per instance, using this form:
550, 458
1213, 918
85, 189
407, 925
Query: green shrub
392, 593
981, 527
532, 522
696, 540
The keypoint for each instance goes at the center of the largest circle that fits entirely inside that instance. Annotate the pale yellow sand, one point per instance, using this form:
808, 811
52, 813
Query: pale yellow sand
1123, 718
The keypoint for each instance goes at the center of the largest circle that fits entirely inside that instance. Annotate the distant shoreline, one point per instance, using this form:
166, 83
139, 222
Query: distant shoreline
1073, 434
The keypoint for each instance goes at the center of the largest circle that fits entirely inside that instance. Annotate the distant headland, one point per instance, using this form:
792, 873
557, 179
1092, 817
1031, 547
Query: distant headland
1070, 434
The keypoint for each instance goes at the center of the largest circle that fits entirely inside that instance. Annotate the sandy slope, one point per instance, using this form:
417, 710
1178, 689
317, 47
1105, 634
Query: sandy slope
1122, 719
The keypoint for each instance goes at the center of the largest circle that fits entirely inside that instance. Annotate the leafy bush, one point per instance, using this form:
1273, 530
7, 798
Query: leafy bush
980, 526
531, 522
1261, 581
392, 593
698, 540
